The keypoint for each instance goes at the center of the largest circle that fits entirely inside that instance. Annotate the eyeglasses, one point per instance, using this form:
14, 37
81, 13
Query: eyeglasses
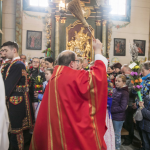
77, 61
36, 62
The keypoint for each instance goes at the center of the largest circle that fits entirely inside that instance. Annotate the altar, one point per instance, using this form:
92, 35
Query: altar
65, 32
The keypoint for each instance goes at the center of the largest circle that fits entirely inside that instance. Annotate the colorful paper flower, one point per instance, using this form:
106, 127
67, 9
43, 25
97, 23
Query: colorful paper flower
136, 67
138, 86
132, 73
135, 73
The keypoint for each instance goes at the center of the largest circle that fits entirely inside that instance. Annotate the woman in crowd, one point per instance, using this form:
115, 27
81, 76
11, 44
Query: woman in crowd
110, 70
119, 105
145, 106
42, 65
48, 74
49, 62
117, 71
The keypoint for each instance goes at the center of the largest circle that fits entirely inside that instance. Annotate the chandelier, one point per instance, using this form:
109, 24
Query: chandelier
63, 7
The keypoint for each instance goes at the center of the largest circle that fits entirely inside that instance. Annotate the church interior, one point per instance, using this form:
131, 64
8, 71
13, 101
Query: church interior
44, 28
51, 25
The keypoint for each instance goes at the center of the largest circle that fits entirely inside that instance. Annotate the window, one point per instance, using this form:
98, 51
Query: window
39, 3
118, 7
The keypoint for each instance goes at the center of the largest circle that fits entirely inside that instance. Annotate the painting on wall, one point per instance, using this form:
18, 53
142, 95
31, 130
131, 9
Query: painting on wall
34, 40
119, 47
141, 47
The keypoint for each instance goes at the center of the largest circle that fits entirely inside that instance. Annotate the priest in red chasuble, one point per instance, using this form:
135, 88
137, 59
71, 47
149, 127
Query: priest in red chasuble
73, 109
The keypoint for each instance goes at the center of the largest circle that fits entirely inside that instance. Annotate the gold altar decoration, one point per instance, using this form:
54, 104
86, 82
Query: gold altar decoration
81, 42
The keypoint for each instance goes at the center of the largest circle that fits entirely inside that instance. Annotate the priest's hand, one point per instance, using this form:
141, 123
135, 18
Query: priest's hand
36, 94
97, 46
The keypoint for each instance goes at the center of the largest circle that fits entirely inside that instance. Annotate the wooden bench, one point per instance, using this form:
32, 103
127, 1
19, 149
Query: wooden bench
124, 132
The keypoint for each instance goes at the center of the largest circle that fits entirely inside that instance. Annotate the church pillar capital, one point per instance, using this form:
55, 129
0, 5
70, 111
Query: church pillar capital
98, 22
57, 18
104, 23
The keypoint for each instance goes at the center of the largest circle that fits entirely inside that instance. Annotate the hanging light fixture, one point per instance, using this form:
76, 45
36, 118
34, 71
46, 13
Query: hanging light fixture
63, 7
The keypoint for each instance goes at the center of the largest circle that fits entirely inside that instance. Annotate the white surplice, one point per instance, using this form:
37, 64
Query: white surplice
4, 120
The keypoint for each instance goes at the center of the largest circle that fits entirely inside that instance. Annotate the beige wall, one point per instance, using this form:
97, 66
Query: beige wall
35, 24
137, 29
29, 23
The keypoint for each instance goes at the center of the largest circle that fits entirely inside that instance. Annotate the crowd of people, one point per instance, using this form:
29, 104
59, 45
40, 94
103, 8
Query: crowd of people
82, 105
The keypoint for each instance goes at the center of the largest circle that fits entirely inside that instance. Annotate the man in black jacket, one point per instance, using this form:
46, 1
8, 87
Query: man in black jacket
34, 72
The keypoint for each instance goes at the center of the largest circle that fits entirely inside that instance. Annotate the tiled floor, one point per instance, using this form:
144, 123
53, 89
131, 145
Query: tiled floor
130, 147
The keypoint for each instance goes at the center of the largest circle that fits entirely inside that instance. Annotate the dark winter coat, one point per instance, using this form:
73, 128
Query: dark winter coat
119, 103
34, 74
145, 123
130, 89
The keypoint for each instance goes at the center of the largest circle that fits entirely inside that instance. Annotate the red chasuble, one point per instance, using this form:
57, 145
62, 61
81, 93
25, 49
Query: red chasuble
73, 110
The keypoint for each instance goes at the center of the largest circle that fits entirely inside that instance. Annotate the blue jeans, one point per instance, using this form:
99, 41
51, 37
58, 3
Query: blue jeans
146, 140
117, 129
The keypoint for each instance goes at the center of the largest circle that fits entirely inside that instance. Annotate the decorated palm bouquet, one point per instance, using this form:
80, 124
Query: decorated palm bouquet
136, 79
29, 78
135, 74
38, 84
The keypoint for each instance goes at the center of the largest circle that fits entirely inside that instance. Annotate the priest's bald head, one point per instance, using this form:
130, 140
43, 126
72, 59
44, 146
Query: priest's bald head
68, 58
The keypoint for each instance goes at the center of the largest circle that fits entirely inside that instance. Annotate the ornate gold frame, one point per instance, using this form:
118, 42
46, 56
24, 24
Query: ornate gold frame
109, 37
86, 2
72, 26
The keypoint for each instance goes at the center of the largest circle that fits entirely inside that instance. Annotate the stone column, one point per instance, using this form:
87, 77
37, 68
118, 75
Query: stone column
57, 36
0, 22
8, 23
104, 41
19, 24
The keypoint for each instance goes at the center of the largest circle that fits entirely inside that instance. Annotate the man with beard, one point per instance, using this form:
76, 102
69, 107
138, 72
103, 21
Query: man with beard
5, 62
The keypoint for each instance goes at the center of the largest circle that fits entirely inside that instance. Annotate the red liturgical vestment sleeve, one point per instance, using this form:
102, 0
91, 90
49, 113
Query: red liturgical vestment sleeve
73, 110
